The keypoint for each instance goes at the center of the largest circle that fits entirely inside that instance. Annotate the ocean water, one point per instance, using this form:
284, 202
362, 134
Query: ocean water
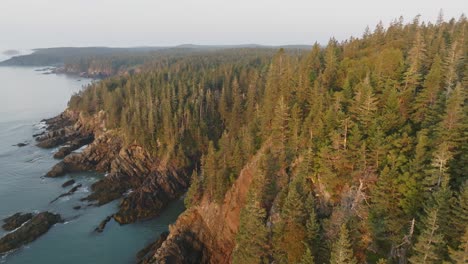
26, 97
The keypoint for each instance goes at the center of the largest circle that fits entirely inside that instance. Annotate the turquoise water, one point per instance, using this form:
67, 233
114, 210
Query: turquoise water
27, 96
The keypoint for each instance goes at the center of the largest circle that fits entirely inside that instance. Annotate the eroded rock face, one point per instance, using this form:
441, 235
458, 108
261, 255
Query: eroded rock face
30, 231
134, 175
16, 220
96, 157
145, 186
74, 145
144, 256
206, 232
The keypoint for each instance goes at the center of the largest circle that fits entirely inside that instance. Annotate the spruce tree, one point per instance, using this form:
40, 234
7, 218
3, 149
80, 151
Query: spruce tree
460, 256
307, 258
342, 252
251, 239
430, 241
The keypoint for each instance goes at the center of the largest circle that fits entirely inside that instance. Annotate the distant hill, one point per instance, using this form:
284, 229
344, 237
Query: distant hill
59, 56
63, 55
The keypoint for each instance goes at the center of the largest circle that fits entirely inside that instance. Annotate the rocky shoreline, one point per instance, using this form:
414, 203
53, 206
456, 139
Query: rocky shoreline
27, 229
206, 232
132, 174
144, 186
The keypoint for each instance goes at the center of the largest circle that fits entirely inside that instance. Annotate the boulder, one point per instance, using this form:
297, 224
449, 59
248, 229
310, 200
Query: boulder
29, 232
68, 183
103, 224
16, 220
70, 192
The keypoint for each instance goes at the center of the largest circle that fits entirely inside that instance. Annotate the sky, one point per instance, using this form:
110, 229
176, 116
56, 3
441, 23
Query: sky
28, 24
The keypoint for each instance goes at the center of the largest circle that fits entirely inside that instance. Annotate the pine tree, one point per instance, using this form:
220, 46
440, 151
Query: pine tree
342, 253
251, 239
364, 104
460, 256
307, 258
426, 100
459, 212
430, 241
210, 170
280, 130
290, 240
194, 191
312, 226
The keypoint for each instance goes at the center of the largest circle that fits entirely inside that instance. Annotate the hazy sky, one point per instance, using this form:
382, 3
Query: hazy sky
47, 23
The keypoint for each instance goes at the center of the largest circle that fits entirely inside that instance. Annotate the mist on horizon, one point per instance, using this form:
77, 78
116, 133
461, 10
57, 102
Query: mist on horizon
26, 24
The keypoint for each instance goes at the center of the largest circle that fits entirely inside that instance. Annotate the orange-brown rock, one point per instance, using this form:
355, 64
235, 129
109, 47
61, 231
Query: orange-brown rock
206, 232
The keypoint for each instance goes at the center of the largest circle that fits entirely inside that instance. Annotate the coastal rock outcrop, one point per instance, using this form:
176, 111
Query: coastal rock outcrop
144, 256
206, 232
102, 225
70, 192
145, 185
30, 231
73, 145
68, 183
16, 220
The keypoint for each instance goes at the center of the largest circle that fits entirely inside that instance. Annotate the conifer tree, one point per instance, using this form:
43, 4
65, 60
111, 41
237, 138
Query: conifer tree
459, 213
251, 239
307, 258
342, 252
430, 241
460, 256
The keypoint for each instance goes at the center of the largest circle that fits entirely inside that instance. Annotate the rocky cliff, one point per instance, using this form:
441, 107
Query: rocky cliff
132, 173
206, 232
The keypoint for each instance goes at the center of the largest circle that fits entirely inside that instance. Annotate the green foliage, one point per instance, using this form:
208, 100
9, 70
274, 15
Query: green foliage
251, 240
430, 242
342, 252
460, 256
307, 258
370, 132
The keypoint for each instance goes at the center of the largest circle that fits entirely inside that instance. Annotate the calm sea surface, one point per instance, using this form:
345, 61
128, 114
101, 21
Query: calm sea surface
26, 97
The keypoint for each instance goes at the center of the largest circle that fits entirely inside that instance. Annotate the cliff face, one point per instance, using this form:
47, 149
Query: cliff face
203, 234
206, 232
131, 172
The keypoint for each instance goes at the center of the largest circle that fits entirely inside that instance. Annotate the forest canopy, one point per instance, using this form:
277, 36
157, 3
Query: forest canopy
364, 142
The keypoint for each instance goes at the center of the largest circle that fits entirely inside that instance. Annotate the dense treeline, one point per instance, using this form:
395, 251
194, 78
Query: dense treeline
364, 143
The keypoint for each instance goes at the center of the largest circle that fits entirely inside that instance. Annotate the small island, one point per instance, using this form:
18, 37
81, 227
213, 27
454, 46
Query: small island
11, 52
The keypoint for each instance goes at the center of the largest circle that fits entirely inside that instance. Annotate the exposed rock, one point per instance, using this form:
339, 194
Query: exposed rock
103, 224
97, 156
73, 145
206, 233
64, 128
185, 247
145, 185
16, 220
30, 231
70, 192
21, 144
78, 207
145, 255
39, 134
58, 170
68, 183
134, 169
